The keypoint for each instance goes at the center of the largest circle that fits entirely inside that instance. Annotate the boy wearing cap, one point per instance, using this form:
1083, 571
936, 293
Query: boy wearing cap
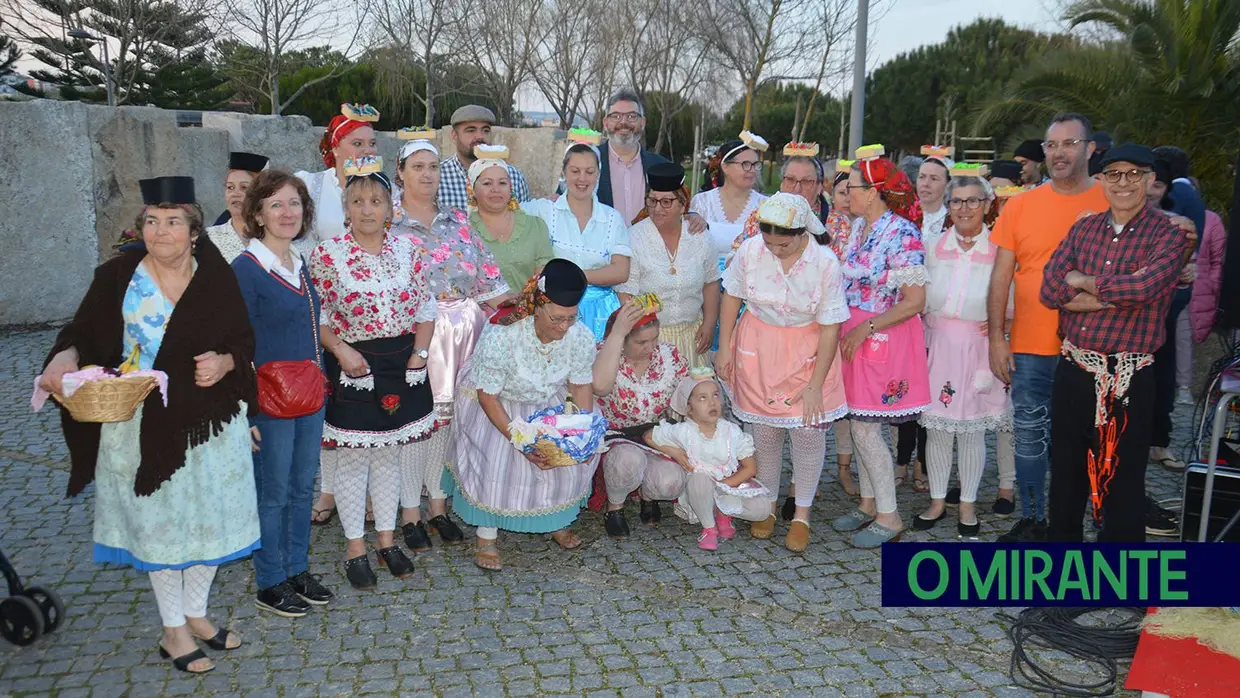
471, 126
1111, 280
1030, 156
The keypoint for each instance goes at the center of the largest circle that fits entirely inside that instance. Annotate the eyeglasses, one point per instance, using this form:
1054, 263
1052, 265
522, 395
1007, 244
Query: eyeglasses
631, 117
971, 203
1133, 176
1062, 145
748, 165
561, 321
852, 186
661, 203
789, 182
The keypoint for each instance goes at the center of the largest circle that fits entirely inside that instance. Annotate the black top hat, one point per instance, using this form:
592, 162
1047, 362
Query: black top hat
1006, 169
563, 282
665, 176
248, 162
167, 190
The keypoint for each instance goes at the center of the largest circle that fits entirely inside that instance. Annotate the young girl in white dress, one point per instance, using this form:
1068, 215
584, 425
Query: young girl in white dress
718, 456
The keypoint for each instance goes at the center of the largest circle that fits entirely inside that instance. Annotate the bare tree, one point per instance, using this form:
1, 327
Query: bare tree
413, 33
673, 57
142, 36
761, 40
839, 20
566, 56
606, 53
274, 28
501, 38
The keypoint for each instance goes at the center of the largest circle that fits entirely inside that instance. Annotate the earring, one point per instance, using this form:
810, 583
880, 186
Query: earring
387, 225
513, 204
471, 202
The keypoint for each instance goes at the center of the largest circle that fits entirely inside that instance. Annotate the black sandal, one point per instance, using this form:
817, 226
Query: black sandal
396, 561
182, 663
359, 574
220, 641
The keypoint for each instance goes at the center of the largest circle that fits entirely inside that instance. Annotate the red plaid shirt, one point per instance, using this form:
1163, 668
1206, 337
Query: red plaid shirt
1139, 302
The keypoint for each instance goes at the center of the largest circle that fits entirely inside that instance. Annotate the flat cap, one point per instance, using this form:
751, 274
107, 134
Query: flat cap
1139, 155
473, 112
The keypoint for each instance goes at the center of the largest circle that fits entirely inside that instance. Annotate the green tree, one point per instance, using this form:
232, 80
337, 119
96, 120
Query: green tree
1173, 77
143, 35
948, 80
10, 54
775, 114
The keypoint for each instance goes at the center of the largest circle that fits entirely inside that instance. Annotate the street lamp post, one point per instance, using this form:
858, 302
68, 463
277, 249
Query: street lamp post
107, 62
858, 93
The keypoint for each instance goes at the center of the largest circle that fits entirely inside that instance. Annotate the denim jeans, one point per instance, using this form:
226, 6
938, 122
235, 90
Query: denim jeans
1031, 421
284, 470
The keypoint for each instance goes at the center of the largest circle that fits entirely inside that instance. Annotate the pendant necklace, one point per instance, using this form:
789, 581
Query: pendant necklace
671, 258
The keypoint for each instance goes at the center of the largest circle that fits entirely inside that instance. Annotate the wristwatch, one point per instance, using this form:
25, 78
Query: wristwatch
421, 354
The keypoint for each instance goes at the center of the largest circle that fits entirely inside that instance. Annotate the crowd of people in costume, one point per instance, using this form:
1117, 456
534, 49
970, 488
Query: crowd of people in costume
444, 306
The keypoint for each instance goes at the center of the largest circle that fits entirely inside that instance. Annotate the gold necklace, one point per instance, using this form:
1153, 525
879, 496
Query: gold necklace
671, 258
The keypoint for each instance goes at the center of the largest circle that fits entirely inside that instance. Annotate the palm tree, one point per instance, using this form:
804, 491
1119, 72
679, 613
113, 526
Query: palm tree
1171, 77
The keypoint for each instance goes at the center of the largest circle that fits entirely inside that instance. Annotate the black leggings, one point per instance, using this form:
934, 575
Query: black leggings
910, 435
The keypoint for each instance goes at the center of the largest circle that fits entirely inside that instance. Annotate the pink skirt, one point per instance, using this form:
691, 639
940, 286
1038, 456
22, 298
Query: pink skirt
771, 366
457, 328
887, 378
970, 397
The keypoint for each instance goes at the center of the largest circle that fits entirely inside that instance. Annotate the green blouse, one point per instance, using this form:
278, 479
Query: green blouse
527, 249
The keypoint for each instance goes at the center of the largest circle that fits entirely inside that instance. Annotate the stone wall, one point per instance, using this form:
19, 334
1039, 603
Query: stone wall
70, 182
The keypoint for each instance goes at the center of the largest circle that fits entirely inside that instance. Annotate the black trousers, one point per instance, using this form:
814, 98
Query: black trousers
910, 435
1073, 435
1164, 372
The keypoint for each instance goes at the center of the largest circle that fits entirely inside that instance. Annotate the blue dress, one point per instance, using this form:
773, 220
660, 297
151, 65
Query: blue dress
207, 512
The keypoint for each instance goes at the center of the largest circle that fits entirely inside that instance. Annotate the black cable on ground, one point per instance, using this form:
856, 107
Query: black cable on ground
1058, 629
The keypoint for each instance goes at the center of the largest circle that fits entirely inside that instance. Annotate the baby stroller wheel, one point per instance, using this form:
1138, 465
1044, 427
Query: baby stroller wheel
21, 620
51, 605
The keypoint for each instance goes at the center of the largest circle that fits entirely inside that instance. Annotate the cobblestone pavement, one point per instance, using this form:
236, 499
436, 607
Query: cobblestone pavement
649, 616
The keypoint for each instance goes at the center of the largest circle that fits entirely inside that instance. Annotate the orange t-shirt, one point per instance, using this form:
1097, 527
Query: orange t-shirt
1032, 225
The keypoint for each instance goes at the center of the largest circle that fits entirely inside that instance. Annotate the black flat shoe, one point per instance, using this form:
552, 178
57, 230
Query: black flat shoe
789, 509
396, 562
1003, 507
308, 587
615, 525
219, 642
282, 601
449, 532
359, 574
182, 663
651, 513
968, 530
921, 524
953, 496
416, 537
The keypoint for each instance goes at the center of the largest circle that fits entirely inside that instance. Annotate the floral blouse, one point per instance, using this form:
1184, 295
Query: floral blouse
811, 291
511, 362
634, 400
456, 262
890, 257
369, 296
840, 229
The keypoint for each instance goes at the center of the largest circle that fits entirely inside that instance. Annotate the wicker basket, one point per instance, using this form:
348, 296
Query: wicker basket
108, 399
554, 454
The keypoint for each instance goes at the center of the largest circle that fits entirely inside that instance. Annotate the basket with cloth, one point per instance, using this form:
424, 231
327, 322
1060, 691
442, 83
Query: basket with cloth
561, 434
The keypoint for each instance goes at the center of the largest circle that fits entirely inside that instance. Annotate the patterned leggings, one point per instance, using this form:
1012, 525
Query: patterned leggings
421, 465
878, 479
972, 460
181, 593
361, 470
809, 449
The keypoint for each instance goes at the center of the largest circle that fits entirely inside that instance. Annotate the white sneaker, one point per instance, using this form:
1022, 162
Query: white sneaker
1184, 397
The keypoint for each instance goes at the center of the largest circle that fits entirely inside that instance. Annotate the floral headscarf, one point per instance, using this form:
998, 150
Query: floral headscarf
893, 186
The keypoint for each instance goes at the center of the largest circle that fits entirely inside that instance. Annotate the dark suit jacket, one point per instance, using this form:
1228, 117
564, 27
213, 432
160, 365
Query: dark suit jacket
604, 172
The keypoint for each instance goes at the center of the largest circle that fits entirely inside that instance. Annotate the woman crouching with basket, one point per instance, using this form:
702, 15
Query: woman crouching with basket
174, 483
378, 320
528, 360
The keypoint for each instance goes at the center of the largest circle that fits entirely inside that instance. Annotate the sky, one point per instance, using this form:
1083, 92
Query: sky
912, 23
